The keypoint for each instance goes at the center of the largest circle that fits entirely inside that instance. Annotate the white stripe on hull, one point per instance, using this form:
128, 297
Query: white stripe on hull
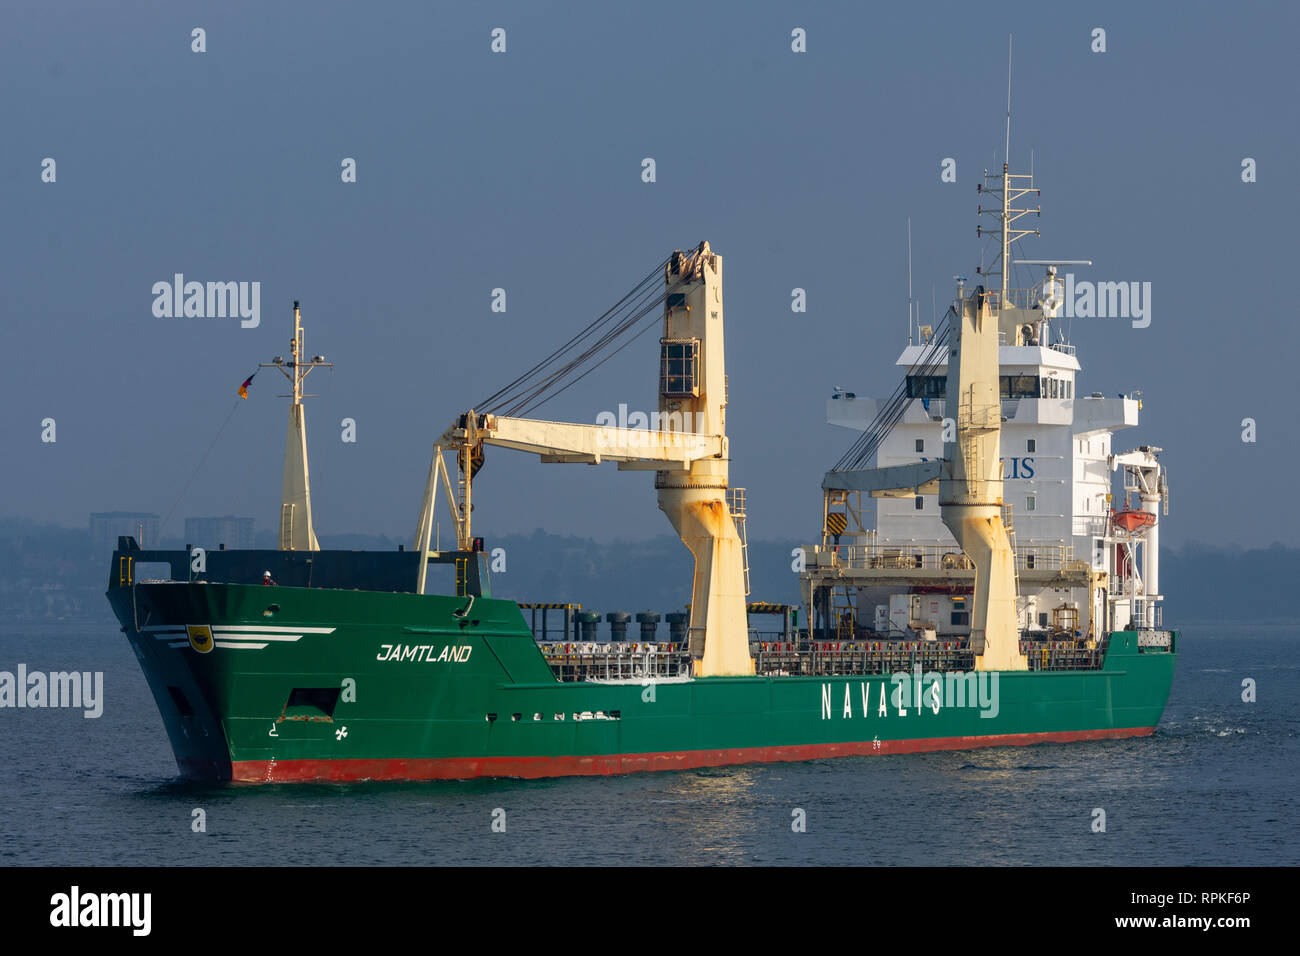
252, 637
240, 628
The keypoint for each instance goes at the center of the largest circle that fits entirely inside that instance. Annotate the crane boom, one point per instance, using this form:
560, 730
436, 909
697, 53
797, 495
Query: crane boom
592, 444
688, 451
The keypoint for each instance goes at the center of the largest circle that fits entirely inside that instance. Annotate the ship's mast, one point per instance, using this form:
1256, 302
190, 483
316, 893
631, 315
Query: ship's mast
910, 325
1009, 188
296, 531
1006, 148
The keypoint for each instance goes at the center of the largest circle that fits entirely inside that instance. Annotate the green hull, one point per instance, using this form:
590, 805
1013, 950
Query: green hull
322, 684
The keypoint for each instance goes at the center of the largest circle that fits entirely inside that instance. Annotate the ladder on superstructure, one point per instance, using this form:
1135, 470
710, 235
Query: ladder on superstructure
286, 527
843, 615
736, 505
1015, 555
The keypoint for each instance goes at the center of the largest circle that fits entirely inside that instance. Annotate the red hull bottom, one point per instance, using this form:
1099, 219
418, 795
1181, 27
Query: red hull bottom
462, 768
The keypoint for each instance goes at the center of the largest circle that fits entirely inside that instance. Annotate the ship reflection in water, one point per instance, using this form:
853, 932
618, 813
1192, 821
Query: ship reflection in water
713, 815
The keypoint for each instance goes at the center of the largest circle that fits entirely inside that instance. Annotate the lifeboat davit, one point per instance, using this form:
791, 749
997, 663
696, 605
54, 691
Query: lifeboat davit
1134, 522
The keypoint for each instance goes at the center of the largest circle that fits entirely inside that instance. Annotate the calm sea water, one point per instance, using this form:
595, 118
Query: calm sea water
1217, 784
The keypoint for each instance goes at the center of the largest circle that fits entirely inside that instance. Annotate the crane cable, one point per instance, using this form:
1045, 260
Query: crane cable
861, 453
533, 384
651, 309
536, 393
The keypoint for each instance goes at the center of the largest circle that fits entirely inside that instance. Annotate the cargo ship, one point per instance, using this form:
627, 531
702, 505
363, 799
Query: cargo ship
349, 669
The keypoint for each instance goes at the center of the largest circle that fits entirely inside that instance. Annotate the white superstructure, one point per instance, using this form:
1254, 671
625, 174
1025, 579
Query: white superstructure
1083, 516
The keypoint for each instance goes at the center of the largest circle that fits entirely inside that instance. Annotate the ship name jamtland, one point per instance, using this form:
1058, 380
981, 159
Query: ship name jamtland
452, 653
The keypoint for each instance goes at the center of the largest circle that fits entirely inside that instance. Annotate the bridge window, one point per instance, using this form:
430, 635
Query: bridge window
679, 368
927, 386
1020, 386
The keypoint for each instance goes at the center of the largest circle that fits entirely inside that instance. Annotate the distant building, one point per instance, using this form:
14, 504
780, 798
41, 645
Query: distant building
107, 525
211, 533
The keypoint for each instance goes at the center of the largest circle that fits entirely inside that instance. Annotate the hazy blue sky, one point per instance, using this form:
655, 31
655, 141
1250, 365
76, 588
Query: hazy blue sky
522, 170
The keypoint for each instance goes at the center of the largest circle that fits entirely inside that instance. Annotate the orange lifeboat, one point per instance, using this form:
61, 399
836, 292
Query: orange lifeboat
1134, 522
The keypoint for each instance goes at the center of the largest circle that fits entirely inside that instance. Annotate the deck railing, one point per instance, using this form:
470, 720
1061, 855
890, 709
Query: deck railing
589, 661
1029, 557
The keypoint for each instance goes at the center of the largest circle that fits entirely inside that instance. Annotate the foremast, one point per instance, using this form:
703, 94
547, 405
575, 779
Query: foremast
296, 530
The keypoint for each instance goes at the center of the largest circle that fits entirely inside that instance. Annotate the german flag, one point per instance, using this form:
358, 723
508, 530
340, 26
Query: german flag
243, 389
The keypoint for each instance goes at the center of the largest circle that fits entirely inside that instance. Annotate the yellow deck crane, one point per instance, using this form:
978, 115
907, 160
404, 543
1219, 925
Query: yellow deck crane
685, 445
